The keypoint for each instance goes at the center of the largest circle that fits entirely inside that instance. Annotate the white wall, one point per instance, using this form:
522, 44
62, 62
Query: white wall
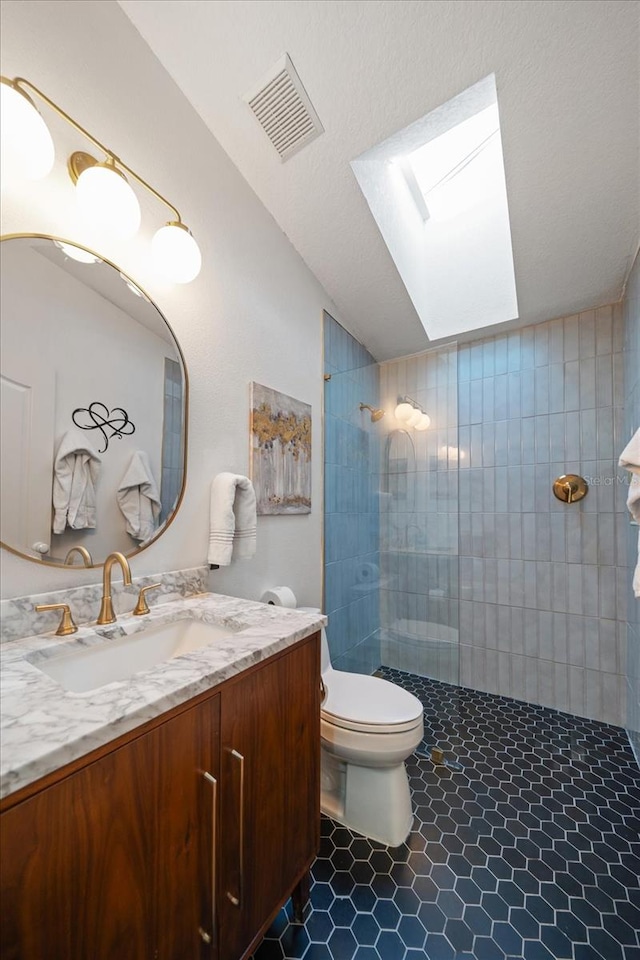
254, 313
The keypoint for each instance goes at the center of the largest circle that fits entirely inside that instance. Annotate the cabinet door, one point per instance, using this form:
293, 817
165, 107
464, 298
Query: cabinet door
116, 860
270, 798
301, 834
187, 833
77, 864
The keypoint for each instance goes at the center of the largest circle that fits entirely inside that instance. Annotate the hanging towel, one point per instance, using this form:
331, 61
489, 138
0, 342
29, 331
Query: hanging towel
138, 498
630, 460
232, 525
75, 474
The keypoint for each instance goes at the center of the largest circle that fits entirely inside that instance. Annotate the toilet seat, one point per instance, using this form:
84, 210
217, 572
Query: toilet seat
369, 704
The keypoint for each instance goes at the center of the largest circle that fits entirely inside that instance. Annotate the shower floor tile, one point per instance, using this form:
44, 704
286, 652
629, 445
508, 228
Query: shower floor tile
526, 844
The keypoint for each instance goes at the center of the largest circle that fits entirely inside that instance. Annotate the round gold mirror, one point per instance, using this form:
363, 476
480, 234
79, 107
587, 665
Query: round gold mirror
93, 407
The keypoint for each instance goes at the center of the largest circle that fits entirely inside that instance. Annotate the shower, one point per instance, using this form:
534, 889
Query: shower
375, 413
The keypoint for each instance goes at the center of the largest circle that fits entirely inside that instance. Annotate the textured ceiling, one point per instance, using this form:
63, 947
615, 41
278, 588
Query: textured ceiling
567, 77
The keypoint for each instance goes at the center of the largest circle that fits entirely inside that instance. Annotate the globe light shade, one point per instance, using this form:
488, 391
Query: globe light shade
176, 254
106, 200
415, 418
76, 253
27, 146
424, 422
404, 410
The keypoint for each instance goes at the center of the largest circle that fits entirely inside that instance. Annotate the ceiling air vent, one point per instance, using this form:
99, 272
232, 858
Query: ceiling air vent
283, 109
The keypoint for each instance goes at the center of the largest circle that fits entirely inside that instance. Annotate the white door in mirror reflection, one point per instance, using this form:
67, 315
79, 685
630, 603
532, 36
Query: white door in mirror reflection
27, 438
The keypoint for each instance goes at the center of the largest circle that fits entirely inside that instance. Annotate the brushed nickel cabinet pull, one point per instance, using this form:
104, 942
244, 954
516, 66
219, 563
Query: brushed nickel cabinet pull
210, 938
237, 901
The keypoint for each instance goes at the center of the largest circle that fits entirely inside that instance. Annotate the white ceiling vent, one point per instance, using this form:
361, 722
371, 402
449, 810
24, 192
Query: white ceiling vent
283, 109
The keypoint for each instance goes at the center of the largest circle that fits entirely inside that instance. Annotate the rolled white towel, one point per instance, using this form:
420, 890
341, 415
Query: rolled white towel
232, 523
630, 460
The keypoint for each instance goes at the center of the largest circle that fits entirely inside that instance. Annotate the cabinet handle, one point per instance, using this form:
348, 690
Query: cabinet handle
237, 901
210, 938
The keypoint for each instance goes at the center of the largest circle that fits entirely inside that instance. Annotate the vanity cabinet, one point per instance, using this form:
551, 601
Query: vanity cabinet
270, 804
179, 841
115, 859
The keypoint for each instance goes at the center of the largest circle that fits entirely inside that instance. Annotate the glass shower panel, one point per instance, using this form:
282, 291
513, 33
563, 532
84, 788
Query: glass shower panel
419, 607
351, 519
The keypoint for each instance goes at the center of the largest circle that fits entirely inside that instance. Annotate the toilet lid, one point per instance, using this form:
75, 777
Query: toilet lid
369, 701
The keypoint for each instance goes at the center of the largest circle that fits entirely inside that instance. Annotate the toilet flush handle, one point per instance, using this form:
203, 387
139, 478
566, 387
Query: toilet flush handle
323, 692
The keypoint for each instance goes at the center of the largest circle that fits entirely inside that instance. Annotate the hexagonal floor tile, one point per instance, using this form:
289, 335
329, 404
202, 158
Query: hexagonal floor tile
531, 849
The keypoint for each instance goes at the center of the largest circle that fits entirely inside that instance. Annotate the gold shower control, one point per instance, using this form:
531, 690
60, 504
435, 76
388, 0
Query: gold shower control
570, 488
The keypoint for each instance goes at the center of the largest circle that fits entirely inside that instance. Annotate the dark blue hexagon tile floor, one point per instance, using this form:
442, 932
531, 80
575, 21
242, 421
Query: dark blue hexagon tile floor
527, 845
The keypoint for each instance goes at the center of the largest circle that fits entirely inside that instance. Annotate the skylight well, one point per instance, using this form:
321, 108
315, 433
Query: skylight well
437, 191
459, 169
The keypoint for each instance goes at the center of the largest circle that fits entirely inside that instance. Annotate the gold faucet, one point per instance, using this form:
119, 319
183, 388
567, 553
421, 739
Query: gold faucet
107, 614
66, 625
84, 553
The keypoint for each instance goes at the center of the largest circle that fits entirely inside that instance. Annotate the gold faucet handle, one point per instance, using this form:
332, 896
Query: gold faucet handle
142, 606
66, 625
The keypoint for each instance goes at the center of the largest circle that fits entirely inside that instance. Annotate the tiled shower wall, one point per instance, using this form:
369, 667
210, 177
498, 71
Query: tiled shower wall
542, 583
419, 518
631, 311
351, 531
172, 438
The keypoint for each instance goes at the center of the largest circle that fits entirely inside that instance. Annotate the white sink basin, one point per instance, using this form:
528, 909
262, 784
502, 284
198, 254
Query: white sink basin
87, 668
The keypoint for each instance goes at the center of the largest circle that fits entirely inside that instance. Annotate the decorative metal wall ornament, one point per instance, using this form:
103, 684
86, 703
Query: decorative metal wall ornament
103, 419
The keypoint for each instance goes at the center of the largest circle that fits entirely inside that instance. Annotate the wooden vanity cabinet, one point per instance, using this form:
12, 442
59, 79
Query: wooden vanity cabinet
109, 862
117, 857
270, 804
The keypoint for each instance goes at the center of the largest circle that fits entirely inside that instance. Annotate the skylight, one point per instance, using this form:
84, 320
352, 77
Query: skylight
437, 191
461, 168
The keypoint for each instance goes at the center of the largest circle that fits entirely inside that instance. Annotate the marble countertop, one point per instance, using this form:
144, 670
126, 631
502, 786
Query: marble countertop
43, 726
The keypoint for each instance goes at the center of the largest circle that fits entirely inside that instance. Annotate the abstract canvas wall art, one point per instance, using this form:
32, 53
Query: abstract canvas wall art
280, 452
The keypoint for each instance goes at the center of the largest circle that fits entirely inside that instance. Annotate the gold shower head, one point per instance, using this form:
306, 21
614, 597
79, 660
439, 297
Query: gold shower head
375, 413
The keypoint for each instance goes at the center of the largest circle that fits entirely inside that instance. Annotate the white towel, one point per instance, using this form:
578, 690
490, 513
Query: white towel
630, 460
75, 474
138, 498
232, 525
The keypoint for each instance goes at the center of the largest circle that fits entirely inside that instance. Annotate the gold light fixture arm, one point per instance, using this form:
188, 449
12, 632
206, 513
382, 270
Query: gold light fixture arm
19, 82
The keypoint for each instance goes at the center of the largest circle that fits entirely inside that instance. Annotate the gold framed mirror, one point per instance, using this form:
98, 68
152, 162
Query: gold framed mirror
93, 407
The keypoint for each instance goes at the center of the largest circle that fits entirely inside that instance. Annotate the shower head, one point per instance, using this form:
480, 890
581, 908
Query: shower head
375, 413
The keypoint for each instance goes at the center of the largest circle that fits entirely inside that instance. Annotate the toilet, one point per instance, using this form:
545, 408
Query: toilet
368, 728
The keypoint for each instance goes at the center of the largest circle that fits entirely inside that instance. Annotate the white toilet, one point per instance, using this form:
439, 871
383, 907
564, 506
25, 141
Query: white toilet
368, 728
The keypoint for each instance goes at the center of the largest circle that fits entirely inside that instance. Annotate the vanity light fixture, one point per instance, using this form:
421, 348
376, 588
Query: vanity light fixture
76, 253
104, 196
135, 289
412, 414
27, 145
103, 190
404, 410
